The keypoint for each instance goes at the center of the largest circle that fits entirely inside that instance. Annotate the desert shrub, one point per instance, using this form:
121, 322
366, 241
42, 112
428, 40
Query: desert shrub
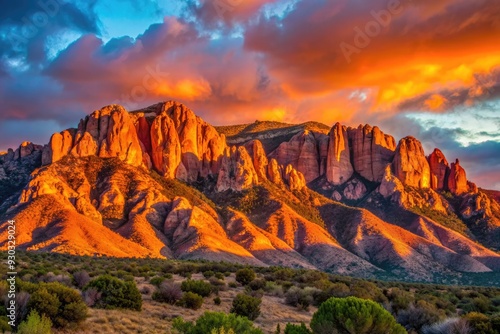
480, 323
418, 316
207, 274
201, 288
273, 289
91, 296
22, 301
157, 280
116, 293
62, 305
354, 315
257, 284
191, 300
34, 324
217, 300
232, 285
367, 290
246, 306
448, 326
81, 278
216, 320
4, 325
284, 274
400, 299
296, 329
168, 292
44, 303
245, 276
219, 275
298, 297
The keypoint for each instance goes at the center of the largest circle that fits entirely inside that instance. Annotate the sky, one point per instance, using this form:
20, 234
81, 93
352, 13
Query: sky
427, 68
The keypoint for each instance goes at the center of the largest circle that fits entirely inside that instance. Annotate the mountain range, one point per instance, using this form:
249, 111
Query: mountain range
161, 182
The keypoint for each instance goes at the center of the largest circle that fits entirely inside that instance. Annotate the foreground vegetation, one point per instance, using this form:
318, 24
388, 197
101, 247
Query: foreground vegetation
67, 293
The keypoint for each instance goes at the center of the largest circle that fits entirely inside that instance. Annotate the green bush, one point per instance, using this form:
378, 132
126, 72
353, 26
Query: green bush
216, 320
245, 276
217, 301
191, 300
201, 288
354, 315
116, 293
156, 281
296, 329
34, 324
62, 305
480, 323
246, 306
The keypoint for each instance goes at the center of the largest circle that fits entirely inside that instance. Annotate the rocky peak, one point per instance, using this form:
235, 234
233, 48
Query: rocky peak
371, 151
108, 132
410, 164
439, 170
338, 166
457, 181
302, 153
237, 171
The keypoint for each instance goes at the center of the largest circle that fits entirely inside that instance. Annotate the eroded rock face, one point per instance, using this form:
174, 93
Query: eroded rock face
275, 172
294, 178
410, 164
338, 167
165, 146
355, 190
439, 170
237, 171
302, 153
457, 181
201, 145
108, 132
371, 151
259, 158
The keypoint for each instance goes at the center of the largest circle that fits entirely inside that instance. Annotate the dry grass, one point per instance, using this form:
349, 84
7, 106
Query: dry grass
157, 317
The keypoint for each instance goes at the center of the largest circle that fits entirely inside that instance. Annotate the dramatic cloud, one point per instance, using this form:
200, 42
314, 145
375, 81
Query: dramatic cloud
427, 68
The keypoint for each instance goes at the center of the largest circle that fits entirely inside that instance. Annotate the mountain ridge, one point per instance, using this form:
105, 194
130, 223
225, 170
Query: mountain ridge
174, 186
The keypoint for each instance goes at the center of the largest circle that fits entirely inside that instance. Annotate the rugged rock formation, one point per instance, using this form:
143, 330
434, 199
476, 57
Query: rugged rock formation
457, 181
371, 151
166, 148
259, 158
275, 172
302, 153
410, 164
237, 171
106, 133
439, 170
338, 166
355, 190
294, 178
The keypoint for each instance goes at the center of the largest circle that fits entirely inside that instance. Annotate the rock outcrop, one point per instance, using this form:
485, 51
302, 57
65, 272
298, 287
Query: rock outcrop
106, 133
166, 147
338, 166
237, 171
302, 153
371, 151
410, 164
439, 170
457, 180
